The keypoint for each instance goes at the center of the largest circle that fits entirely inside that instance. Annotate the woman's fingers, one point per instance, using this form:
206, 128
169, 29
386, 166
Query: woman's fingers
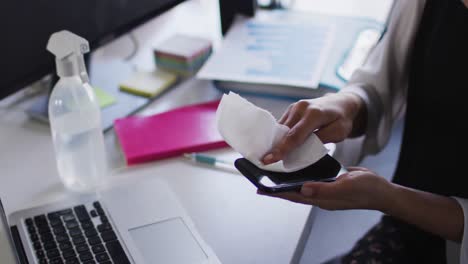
359, 188
312, 190
299, 132
293, 139
283, 118
355, 168
295, 113
285, 115
293, 119
299, 198
333, 132
323, 190
330, 117
290, 196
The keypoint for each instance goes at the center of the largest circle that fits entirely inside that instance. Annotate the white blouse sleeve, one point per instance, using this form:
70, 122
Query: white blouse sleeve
382, 81
464, 245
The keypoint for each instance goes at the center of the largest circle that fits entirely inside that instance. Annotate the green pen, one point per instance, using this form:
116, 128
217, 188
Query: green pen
211, 162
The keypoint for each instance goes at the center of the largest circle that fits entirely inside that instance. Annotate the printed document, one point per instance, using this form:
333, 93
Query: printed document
274, 47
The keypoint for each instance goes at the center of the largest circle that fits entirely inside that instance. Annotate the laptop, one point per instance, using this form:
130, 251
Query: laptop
138, 222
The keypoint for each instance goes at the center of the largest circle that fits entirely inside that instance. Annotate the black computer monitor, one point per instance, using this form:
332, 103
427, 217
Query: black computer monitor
229, 8
28, 24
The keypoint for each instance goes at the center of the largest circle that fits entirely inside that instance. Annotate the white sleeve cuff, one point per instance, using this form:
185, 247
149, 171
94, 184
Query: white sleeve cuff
464, 245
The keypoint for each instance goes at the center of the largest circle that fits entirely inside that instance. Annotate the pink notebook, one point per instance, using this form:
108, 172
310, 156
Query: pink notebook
182, 130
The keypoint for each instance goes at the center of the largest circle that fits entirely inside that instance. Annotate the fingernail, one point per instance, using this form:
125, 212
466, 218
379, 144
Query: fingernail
307, 191
269, 158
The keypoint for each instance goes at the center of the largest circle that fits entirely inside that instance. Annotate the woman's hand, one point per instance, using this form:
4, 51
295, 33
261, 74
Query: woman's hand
331, 117
359, 188
362, 189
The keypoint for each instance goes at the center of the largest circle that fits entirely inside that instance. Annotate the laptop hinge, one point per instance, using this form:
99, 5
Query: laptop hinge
19, 245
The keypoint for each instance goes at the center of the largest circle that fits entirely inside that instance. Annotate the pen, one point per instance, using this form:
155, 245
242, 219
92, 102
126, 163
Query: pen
211, 162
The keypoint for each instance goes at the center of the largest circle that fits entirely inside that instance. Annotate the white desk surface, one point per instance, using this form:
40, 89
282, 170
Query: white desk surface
240, 226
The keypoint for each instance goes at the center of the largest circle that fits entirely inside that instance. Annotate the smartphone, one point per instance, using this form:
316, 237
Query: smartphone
327, 169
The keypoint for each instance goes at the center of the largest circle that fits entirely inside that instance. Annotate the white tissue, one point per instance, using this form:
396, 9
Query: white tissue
253, 131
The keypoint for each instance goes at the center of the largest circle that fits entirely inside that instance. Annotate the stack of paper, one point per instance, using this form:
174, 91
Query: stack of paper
275, 49
284, 54
182, 54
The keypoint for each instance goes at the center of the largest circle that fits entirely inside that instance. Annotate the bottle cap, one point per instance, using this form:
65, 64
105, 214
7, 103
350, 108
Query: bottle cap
68, 49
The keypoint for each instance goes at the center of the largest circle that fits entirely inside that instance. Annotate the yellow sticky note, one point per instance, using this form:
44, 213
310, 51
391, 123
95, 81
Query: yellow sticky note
104, 98
148, 84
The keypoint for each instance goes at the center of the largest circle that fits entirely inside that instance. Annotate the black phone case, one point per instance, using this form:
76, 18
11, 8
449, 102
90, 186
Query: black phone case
324, 170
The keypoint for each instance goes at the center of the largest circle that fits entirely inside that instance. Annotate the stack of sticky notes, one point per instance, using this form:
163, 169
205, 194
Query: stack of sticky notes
104, 98
148, 84
182, 54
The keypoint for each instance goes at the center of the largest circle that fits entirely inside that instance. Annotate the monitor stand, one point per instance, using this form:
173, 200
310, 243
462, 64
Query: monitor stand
106, 76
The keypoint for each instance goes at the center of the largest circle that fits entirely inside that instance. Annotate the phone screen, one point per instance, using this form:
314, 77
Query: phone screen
326, 169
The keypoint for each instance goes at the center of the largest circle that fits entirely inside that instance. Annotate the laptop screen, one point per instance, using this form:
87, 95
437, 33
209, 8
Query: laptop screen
7, 250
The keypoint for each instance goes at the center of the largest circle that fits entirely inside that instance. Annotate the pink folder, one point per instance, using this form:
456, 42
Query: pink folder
182, 130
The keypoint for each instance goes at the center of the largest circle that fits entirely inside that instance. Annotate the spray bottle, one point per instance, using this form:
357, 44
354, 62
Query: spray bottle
75, 117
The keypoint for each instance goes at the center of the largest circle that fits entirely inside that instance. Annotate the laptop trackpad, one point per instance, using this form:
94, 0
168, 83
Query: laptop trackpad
168, 241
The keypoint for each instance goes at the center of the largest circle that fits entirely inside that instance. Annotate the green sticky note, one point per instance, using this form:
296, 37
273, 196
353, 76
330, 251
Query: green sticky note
148, 84
104, 98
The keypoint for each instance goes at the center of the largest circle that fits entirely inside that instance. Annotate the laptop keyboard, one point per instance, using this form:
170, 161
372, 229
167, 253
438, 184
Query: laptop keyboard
74, 235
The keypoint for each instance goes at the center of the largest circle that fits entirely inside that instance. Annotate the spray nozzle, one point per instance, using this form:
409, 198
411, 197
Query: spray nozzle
68, 49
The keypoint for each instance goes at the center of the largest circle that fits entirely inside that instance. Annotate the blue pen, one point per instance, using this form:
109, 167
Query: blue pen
211, 161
